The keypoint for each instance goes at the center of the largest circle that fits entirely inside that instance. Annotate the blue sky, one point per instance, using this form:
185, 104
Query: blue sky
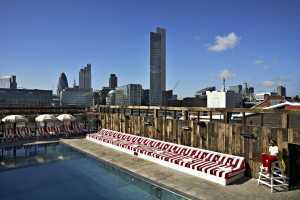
253, 41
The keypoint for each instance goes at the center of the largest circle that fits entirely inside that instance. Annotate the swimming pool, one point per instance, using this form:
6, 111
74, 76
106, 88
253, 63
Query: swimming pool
56, 171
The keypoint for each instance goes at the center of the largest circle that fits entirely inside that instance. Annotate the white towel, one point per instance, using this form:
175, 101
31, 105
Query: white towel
187, 160
225, 169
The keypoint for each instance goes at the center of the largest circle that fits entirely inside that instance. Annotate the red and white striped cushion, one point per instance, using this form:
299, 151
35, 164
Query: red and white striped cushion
205, 161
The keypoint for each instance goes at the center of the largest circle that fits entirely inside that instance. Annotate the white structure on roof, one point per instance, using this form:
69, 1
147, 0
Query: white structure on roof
286, 103
228, 99
261, 95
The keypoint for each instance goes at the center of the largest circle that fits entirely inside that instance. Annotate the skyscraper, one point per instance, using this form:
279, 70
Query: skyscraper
129, 95
85, 77
9, 82
113, 81
62, 83
157, 66
281, 91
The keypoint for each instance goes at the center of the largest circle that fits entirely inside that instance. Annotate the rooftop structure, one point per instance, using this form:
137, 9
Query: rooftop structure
229, 99
9, 82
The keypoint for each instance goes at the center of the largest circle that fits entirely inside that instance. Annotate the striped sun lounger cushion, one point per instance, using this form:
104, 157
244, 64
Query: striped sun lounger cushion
214, 166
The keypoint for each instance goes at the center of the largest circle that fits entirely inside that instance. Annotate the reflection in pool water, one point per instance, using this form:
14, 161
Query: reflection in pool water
56, 171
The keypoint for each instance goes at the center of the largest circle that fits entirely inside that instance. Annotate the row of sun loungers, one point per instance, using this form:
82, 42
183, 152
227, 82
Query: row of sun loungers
213, 166
26, 133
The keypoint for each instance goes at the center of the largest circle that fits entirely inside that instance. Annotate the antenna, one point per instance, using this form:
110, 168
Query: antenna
224, 85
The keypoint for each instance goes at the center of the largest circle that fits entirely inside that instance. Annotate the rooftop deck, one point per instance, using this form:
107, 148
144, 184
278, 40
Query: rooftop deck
191, 186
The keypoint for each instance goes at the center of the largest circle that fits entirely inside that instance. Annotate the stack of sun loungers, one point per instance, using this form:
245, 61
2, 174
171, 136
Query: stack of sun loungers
20, 133
213, 166
63, 131
25, 133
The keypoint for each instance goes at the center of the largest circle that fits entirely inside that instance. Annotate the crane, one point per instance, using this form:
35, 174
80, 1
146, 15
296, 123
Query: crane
176, 85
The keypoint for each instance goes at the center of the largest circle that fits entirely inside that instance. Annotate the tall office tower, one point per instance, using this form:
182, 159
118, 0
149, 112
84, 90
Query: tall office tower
85, 77
157, 66
113, 81
281, 91
62, 83
9, 82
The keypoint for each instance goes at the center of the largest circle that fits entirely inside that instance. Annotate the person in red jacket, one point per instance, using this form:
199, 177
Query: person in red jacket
268, 159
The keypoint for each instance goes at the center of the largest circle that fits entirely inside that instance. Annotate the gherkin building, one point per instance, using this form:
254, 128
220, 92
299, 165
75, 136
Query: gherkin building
62, 83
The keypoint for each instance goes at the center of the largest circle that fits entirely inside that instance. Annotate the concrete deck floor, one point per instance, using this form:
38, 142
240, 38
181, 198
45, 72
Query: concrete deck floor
193, 187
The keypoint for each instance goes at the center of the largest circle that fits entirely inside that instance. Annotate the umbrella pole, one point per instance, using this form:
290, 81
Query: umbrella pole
35, 127
15, 128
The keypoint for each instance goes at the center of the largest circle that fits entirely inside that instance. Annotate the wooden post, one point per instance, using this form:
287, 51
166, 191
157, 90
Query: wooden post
284, 120
131, 112
290, 135
261, 119
155, 113
226, 117
185, 115
244, 119
210, 116
175, 114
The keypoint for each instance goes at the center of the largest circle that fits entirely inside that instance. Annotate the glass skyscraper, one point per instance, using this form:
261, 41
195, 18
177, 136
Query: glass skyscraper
157, 66
62, 83
85, 77
113, 81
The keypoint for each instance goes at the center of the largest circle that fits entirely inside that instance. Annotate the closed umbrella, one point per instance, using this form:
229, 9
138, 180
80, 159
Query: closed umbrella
14, 119
66, 118
45, 118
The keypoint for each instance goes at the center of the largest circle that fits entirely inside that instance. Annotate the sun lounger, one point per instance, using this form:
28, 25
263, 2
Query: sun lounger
213, 166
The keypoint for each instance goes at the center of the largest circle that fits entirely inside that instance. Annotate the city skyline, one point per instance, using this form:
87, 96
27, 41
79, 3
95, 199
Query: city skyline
201, 46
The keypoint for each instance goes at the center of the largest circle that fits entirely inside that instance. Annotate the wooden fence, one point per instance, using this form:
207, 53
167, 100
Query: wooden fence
223, 136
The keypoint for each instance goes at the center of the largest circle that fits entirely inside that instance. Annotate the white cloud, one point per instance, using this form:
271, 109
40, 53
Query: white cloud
224, 42
274, 82
259, 62
226, 74
268, 84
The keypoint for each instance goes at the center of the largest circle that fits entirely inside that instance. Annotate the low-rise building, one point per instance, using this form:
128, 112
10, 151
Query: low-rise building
76, 97
25, 97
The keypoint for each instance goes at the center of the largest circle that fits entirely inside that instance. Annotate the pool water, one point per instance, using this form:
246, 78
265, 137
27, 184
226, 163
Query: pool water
56, 171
